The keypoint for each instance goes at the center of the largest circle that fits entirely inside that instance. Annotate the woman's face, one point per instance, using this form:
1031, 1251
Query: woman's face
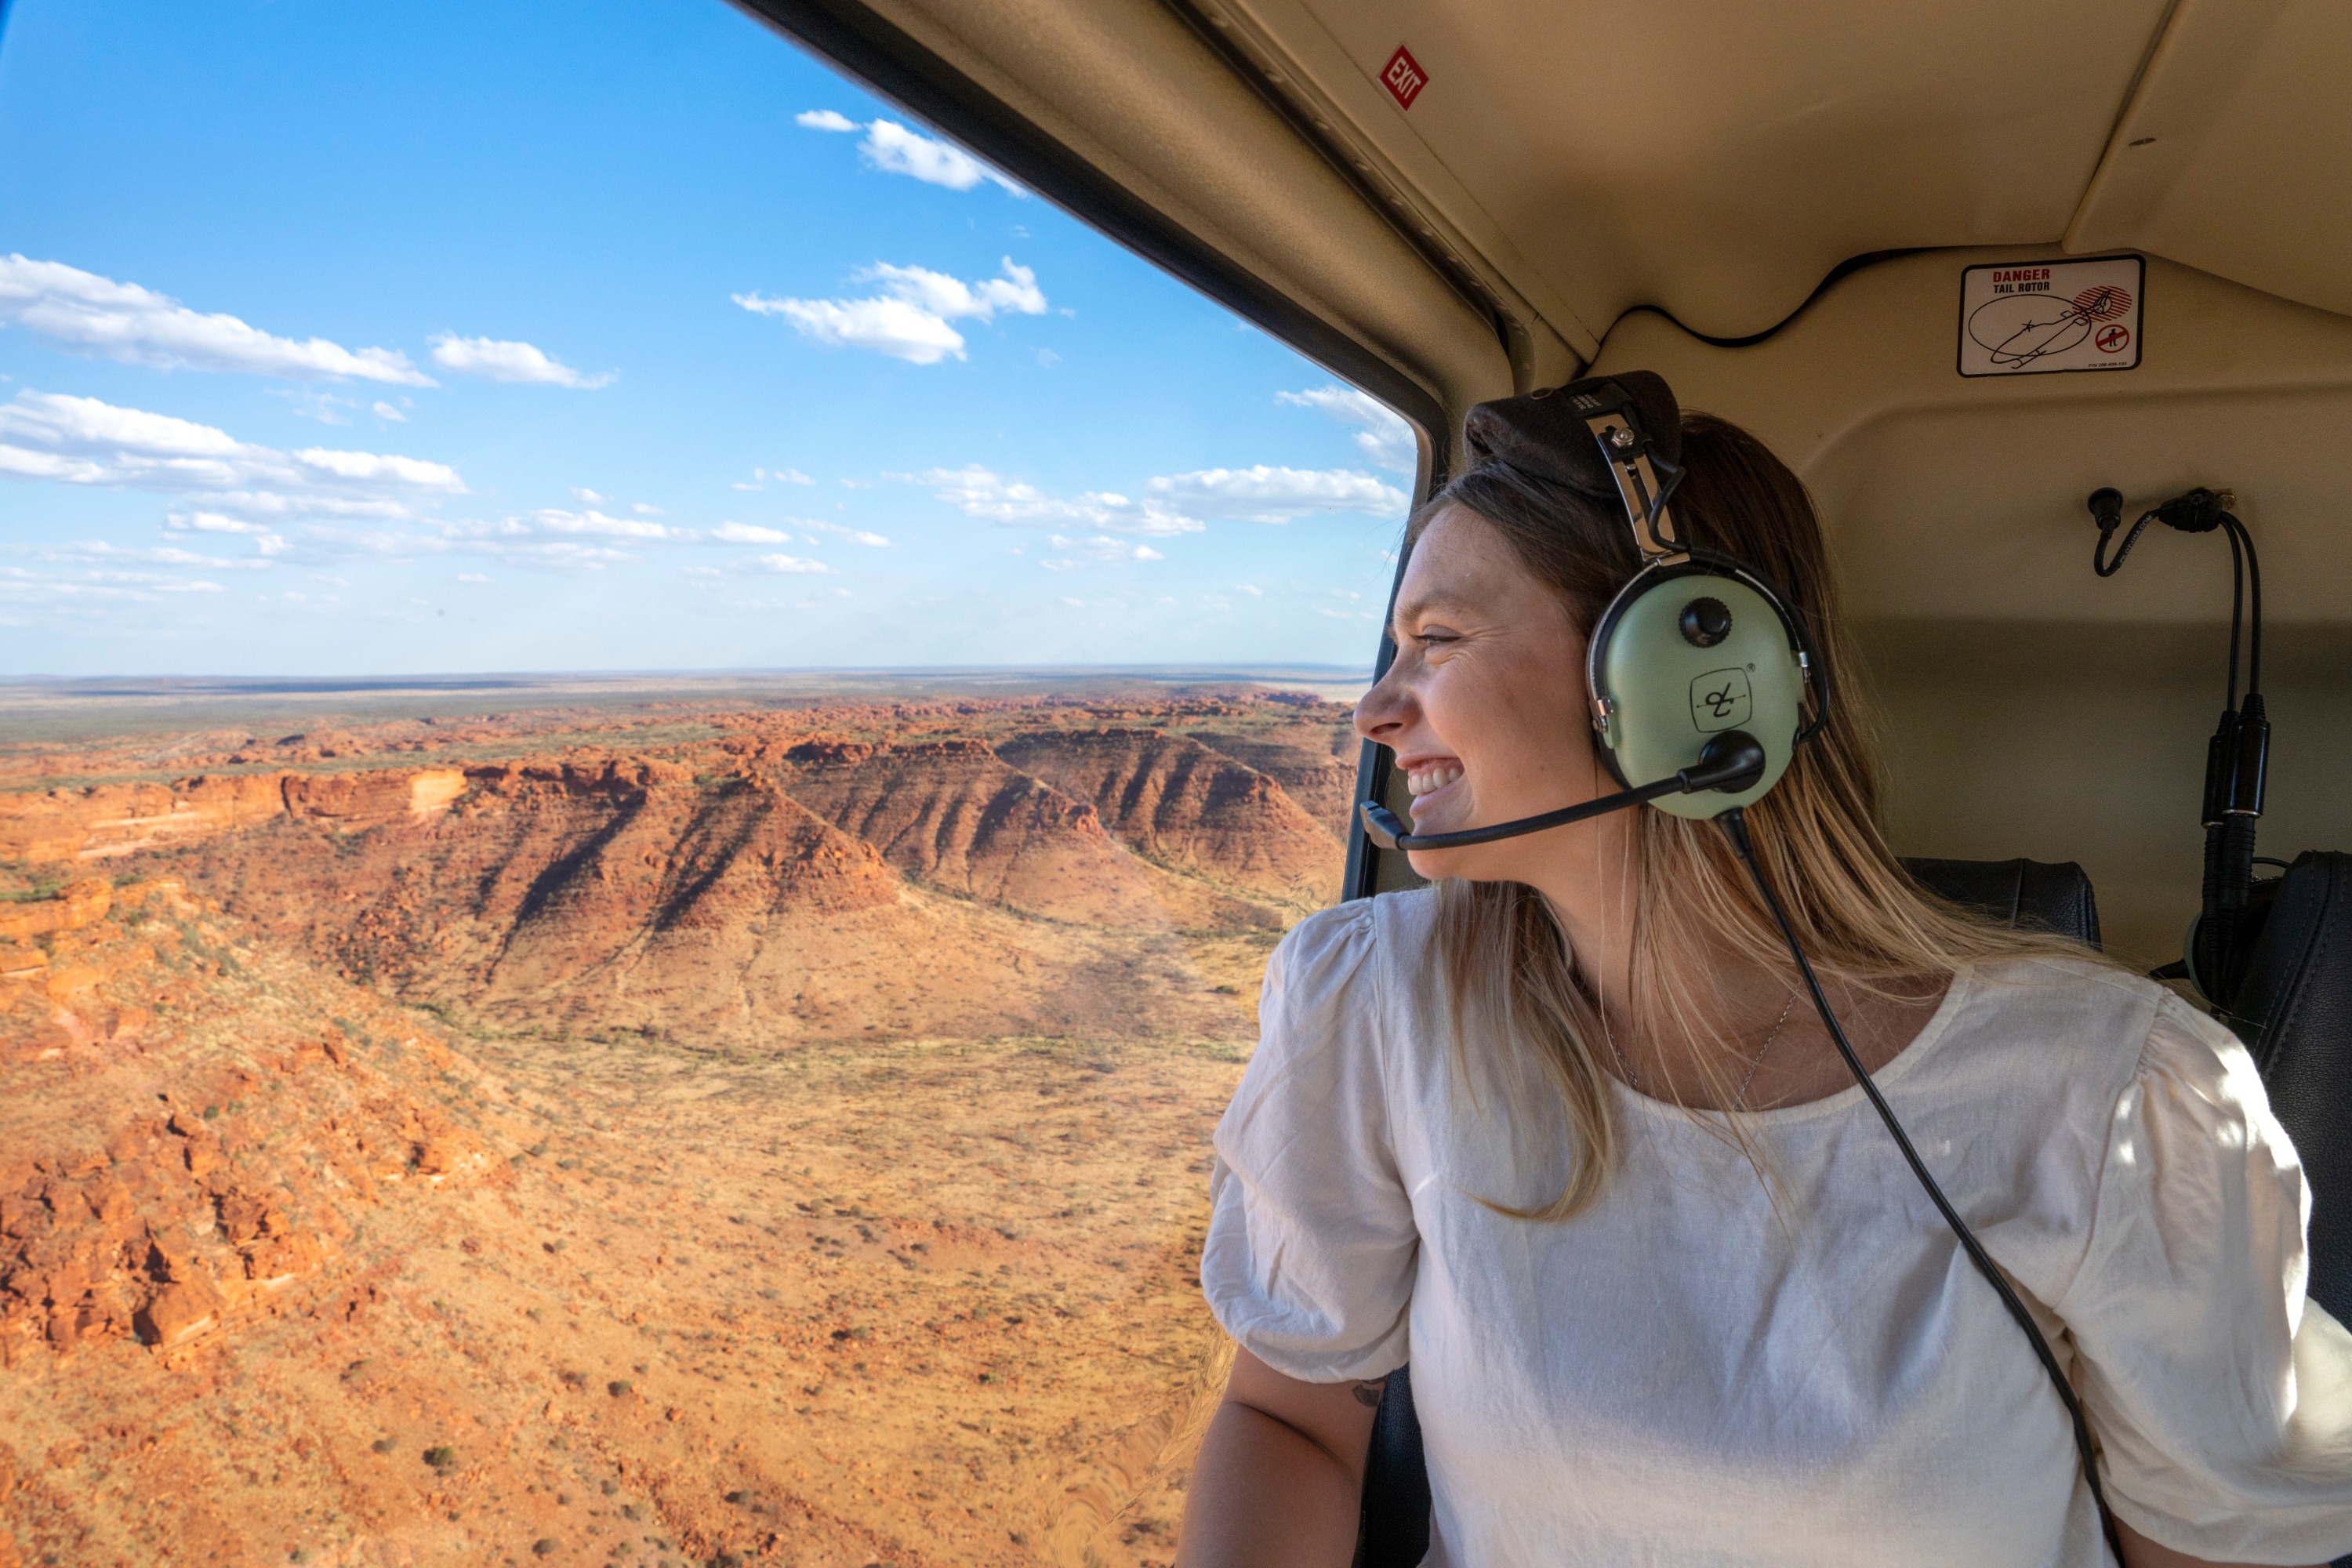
1484, 707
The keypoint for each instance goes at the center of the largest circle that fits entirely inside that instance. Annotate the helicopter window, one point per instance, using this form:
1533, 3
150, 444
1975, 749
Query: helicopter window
523, 1115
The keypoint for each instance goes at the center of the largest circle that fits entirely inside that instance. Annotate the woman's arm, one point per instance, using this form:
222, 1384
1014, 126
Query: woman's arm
1280, 1475
2140, 1552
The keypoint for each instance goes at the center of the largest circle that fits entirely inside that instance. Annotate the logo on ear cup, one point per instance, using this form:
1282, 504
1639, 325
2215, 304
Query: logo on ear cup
1721, 699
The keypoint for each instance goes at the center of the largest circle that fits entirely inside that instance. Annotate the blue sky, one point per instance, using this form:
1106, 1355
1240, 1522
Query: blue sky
352, 339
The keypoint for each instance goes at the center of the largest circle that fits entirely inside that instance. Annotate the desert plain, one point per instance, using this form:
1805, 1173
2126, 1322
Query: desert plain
718, 1128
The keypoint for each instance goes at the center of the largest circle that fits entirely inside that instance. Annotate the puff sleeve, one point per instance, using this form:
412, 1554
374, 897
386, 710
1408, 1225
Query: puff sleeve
2222, 1398
1311, 1250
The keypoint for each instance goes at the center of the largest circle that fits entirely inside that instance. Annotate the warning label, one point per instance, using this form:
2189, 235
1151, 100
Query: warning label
2028, 318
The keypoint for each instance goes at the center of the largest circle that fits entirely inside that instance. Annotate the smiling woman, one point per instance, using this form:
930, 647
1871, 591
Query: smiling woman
1568, 1124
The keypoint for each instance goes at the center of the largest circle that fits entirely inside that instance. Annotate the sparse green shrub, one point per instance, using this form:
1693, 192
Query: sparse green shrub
616, 1388
441, 1456
546, 1546
384, 1445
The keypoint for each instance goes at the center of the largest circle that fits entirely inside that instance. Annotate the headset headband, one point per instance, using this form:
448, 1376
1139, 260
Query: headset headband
1645, 475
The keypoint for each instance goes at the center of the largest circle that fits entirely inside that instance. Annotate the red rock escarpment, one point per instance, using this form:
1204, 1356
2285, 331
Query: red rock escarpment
953, 814
108, 821
1189, 807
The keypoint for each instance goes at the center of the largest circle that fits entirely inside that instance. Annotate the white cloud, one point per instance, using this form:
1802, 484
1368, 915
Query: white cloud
896, 150
1264, 494
375, 466
887, 326
854, 535
19, 586
788, 564
1255, 593
386, 411
909, 320
977, 492
760, 476
268, 541
745, 533
154, 556
81, 441
646, 509
1100, 550
1383, 437
471, 577
592, 521
587, 496
495, 360
95, 315
310, 403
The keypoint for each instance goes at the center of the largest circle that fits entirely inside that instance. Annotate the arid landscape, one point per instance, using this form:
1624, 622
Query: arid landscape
648, 1132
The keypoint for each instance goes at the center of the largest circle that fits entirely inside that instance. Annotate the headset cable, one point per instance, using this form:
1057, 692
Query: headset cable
1734, 823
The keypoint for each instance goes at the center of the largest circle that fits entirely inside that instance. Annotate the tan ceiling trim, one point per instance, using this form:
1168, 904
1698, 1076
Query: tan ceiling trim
1300, 60
2235, 154
2199, 59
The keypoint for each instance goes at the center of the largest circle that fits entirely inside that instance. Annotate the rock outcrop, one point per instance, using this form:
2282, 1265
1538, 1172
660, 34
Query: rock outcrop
230, 1174
1189, 807
953, 815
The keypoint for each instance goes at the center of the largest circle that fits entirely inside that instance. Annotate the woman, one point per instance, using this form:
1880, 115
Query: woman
1564, 1129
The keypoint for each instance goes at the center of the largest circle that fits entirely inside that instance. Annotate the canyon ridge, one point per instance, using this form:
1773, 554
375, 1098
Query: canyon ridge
648, 1132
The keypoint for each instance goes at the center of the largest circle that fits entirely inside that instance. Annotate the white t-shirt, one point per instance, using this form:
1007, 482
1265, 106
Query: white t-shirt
1683, 1375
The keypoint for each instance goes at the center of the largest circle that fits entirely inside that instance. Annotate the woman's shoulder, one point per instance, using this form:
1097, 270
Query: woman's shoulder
1344, 954
1394, 922
2084, 1018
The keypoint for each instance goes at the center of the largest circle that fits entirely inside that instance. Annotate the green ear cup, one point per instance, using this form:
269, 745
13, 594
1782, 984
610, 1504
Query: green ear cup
1669, 674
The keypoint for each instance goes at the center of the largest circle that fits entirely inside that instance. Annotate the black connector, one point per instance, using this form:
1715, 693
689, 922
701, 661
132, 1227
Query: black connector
2250, 763
2107, 504
2200, 511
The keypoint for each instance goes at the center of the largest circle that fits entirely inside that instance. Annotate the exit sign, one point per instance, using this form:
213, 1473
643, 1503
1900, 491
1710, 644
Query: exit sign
1405, 79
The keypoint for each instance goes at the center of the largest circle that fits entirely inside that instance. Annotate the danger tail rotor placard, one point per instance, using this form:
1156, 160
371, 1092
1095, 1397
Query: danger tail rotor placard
2030, 318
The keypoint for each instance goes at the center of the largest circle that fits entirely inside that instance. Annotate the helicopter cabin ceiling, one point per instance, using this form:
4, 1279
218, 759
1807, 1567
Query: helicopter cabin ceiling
1717, 161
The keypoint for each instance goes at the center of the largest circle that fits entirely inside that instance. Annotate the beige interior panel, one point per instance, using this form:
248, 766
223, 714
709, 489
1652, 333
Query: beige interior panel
1717, 160
2236, 153
2029, 707
1953, 497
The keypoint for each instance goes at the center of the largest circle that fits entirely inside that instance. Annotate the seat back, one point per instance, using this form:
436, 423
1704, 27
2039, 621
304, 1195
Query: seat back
2295, 1012
2032, 894
1393, 1524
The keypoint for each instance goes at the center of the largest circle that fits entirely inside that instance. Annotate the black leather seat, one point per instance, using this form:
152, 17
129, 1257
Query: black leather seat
2034, 894
2295, 1012
1393, 1527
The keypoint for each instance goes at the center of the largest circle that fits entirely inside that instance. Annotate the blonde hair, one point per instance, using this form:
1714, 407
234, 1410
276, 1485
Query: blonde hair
1864, 921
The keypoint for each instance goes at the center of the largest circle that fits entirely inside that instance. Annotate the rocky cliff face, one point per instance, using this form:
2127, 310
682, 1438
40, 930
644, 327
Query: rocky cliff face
181, 1146
953, 814
1190, 808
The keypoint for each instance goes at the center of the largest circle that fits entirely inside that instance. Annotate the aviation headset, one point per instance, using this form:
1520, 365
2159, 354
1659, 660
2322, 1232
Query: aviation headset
1697, 676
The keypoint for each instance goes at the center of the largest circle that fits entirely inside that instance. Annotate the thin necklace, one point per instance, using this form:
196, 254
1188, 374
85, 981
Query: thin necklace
1740, 1098
1634, 1079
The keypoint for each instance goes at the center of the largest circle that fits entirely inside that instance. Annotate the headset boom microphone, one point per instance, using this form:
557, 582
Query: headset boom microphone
1730, 762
